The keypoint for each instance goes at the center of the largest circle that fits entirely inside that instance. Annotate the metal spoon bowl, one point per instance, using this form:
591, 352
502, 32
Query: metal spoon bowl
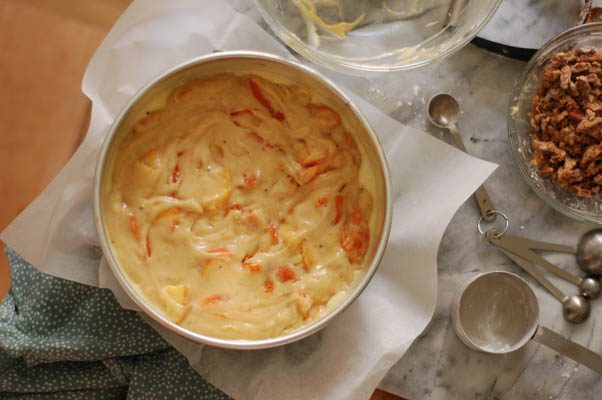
589, 252
443, 111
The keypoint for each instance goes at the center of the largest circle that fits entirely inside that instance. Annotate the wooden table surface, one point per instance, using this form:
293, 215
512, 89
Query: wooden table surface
45, 47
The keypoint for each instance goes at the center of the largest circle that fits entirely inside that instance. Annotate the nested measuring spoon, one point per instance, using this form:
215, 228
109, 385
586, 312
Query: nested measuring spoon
443, 110
575, 308
497, 313
589, 252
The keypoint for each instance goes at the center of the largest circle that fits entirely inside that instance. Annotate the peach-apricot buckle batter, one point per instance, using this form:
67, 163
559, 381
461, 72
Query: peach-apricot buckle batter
237, 208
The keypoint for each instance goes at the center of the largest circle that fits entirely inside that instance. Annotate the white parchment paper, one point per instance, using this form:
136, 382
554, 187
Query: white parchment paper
347, 359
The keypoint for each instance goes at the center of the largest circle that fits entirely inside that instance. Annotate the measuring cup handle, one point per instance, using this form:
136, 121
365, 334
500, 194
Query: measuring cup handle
481, 195
569, 348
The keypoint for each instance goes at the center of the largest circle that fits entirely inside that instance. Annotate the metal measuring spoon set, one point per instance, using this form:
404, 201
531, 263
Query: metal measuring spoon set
497, 312
443, 111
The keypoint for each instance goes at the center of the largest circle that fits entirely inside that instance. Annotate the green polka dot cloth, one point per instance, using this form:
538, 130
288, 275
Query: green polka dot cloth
64, 340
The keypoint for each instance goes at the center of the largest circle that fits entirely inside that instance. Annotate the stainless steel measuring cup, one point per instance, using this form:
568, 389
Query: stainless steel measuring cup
497, 313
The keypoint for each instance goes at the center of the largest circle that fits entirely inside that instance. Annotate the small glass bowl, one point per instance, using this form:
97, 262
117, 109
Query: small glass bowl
519, 128
393, 35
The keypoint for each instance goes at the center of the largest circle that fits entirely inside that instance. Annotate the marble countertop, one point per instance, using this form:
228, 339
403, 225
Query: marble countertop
438, 365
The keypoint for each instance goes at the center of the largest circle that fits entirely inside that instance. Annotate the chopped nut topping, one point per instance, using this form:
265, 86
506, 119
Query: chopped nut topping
566, 118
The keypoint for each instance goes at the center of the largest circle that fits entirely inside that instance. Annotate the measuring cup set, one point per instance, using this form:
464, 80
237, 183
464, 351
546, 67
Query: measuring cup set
497, 312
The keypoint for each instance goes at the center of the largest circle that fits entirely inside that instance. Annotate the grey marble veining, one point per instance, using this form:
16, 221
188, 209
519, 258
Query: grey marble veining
438, 366
531, 23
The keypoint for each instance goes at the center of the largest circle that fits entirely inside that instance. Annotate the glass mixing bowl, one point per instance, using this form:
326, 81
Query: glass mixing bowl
519, 129
355, 36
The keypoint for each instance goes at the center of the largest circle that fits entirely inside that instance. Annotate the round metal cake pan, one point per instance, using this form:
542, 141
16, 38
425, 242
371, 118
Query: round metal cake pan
280, 70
